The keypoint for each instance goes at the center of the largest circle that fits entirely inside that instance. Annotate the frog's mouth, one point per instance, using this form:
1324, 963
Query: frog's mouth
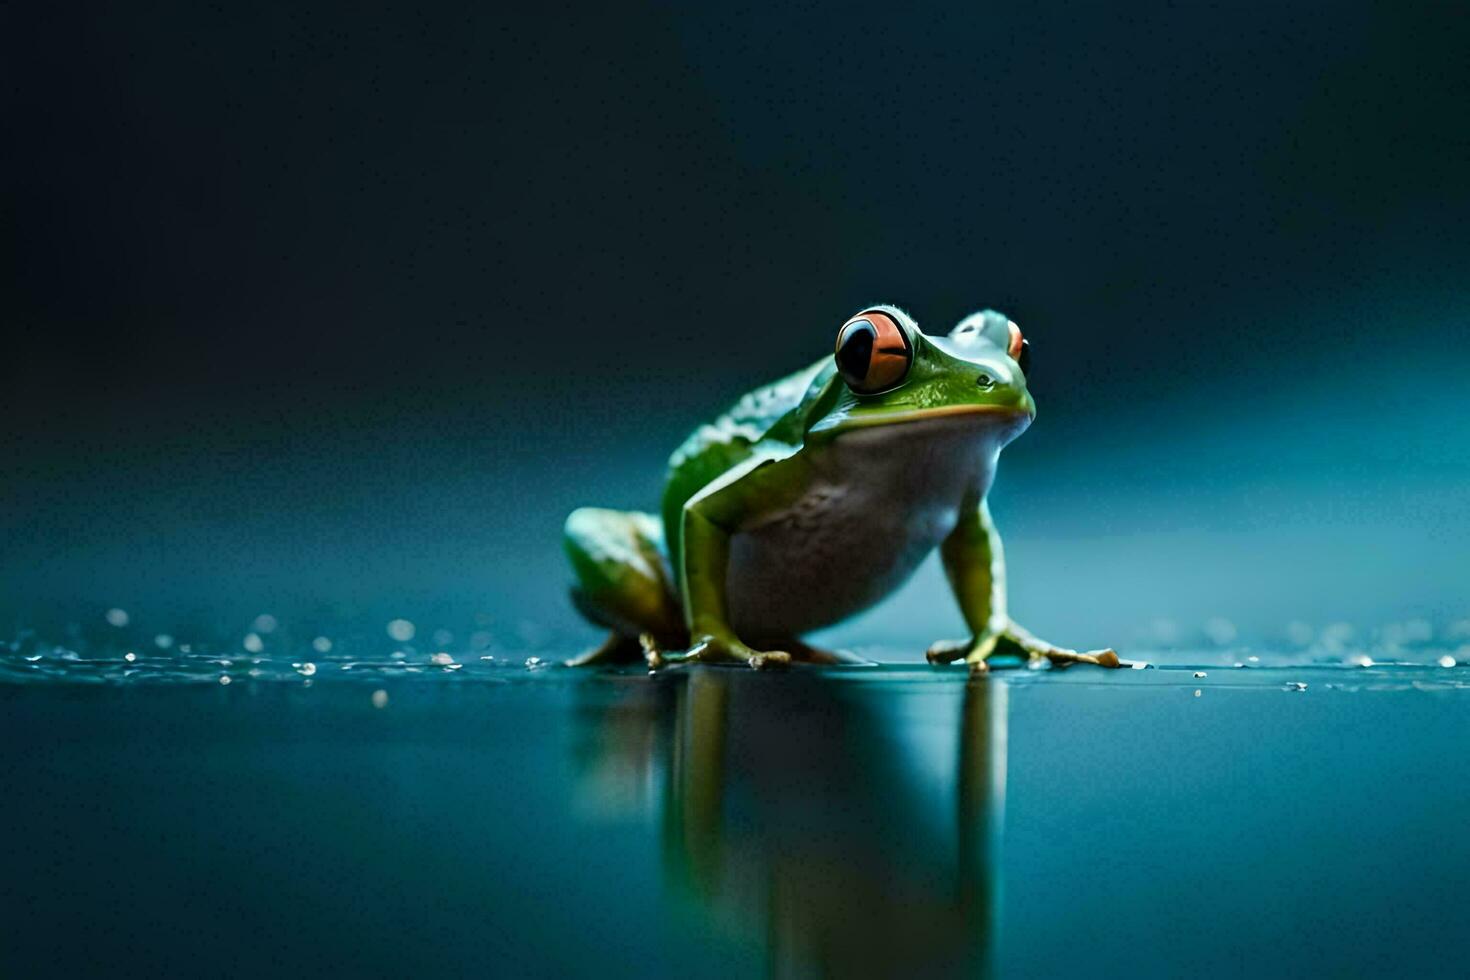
998, 414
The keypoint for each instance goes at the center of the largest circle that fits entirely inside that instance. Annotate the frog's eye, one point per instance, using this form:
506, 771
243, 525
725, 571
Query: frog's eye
873, 352
1019, 348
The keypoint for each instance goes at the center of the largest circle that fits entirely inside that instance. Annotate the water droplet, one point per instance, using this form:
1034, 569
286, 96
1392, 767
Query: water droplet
1253, 659
1295, 686
1200, 673
321, 645
401, 630
1360, 660
442, 659
224, 679
1447, 661
264, 623
533, 662
253, 643
117, 617
307, 669
1197, 692
163, 641
380, 698
130, 656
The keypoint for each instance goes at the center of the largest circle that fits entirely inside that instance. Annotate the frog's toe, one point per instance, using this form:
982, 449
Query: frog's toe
714, 650
1060, 656
653, 652
947, 651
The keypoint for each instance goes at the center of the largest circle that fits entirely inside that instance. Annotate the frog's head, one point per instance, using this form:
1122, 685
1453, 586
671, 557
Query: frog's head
891, 373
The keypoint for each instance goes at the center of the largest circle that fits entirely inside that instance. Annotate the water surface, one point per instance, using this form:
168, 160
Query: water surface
485, 817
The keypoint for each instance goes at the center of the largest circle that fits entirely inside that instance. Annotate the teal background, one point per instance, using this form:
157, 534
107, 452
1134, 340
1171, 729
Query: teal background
341, 311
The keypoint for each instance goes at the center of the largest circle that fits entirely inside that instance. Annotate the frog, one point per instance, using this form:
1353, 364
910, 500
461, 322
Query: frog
816, 496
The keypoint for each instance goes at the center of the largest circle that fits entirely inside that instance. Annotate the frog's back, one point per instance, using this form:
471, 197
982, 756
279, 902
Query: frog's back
711, 450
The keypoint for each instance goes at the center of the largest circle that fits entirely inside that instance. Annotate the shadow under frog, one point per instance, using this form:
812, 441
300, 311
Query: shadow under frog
804, 816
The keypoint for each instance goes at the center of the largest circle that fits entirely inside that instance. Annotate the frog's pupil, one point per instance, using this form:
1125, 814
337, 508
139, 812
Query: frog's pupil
856, 351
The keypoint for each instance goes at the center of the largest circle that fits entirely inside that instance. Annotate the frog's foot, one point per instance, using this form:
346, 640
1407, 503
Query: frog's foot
948, 651
721, 650
1036, 649
977, 651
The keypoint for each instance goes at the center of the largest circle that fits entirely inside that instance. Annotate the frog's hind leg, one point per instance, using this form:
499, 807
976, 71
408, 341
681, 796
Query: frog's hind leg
622, 582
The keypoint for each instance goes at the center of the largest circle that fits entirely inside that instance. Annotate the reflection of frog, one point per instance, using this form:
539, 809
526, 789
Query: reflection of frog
818, 495
854, 856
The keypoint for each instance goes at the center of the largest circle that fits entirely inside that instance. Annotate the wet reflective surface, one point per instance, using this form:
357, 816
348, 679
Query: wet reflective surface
896, 820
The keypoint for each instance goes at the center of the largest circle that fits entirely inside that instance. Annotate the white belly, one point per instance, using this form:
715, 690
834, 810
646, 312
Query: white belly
881, 501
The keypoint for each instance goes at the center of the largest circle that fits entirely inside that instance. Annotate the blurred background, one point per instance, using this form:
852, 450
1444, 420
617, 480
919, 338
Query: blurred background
339, 312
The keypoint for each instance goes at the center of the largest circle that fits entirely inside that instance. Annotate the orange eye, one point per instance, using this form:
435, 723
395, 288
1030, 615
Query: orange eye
873, 352
1019, 348
1014, 347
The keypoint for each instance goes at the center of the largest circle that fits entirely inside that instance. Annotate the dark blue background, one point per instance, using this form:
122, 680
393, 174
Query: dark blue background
348, 308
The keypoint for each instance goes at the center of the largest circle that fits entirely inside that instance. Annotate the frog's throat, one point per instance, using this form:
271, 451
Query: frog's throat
1000, 413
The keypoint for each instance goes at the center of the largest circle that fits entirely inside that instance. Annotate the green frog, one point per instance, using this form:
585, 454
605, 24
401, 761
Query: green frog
818, 495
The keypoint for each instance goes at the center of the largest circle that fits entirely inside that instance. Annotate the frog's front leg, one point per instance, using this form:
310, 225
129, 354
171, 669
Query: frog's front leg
709, 519
706, 560
974, 562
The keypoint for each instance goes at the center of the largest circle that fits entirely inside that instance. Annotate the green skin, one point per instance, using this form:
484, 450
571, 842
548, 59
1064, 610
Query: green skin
807, 502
